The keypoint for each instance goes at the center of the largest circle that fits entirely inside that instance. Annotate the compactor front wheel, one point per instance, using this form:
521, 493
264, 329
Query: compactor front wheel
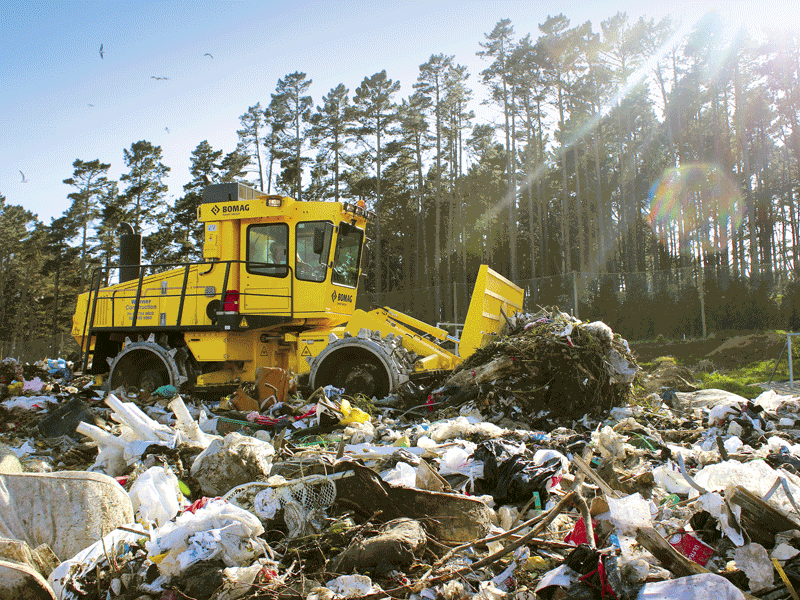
367, 364
145, 365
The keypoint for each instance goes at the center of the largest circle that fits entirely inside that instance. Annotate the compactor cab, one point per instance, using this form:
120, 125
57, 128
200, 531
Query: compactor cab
277, 275
294, 265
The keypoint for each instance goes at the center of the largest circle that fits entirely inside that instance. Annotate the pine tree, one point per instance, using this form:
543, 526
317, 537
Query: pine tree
499, 46
430, 83
251, 137
374, 113
144, 196
233, 166
293, 110
91, 180
329, 126
189, 232
59, 261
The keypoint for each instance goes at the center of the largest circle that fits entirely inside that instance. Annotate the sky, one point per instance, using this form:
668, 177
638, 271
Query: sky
61, 101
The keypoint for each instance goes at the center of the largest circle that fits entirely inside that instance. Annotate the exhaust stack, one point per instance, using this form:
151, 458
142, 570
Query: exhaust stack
130, 253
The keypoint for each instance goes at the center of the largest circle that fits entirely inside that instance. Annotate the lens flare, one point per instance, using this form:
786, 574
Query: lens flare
696, 204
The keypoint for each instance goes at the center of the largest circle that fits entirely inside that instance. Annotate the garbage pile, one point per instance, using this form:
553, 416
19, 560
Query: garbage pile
161, 496
546, 366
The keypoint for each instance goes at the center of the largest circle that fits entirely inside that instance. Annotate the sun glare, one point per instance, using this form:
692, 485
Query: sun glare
760, 17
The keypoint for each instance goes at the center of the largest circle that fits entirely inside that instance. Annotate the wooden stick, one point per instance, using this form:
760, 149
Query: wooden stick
594, 477
494, 538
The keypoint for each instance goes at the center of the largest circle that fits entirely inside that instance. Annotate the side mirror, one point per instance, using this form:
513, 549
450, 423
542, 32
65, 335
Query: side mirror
319, 241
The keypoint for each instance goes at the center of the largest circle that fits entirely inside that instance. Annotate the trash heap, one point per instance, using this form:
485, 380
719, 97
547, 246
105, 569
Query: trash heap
548, 364
681, 495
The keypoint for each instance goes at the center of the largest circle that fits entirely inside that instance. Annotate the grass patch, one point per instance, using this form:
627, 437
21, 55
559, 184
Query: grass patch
744, 380
719, 381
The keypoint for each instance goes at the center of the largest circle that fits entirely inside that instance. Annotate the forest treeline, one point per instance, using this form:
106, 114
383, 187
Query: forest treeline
634, 170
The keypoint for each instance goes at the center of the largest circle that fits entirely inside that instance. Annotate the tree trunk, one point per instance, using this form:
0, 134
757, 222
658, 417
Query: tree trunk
378, 214
566, 263
512, 190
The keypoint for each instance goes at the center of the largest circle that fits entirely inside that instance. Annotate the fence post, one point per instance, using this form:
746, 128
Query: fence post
455, 303
700, 289
575, 293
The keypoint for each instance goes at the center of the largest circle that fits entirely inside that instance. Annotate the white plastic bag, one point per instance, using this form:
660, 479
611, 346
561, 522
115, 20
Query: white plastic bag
728, 518
769, 400
231, 461
446, 430
403, 475
77, 567
155, 496
754, 561
733, 444
629, 513
219, 529
719, 414
454, 460
266, 504
671, 479
349, 586
706, 586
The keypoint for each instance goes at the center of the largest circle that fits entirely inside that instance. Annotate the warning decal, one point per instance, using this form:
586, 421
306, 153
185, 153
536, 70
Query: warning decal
306, 351
243, 323
264, 351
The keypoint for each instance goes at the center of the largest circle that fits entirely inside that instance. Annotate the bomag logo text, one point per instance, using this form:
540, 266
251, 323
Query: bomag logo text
345, 298
236, 208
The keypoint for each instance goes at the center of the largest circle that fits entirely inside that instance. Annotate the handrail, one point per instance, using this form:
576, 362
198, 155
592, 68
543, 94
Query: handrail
138, 296
86, 321
183, 296
89, 322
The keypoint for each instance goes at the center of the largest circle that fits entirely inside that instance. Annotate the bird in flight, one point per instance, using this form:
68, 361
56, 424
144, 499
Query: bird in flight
23, 177
92, 105
158, 78
101, 50
166, 129
207, 54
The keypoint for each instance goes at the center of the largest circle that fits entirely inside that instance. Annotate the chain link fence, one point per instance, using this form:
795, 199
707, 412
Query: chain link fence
675, 303
31, 350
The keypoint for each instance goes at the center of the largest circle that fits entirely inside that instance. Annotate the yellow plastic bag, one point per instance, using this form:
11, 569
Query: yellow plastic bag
352, 414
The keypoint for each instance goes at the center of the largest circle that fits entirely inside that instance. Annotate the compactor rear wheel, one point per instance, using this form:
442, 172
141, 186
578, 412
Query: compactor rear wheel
145, 365
367, 364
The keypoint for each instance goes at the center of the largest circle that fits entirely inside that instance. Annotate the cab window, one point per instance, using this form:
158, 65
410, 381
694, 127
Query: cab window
267, 249
347, 256
313, 249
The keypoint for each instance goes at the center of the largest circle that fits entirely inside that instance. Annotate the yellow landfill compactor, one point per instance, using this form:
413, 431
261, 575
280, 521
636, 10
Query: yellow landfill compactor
276, 287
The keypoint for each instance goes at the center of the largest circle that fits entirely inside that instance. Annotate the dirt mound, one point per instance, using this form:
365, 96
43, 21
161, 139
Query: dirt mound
744, 349
667, 375
725, 351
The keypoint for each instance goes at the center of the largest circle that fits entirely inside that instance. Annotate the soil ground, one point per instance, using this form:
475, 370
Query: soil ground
677, 364
725, 351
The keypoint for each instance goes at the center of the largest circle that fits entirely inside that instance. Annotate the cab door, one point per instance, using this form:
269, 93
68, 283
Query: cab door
311, 267
265, 274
